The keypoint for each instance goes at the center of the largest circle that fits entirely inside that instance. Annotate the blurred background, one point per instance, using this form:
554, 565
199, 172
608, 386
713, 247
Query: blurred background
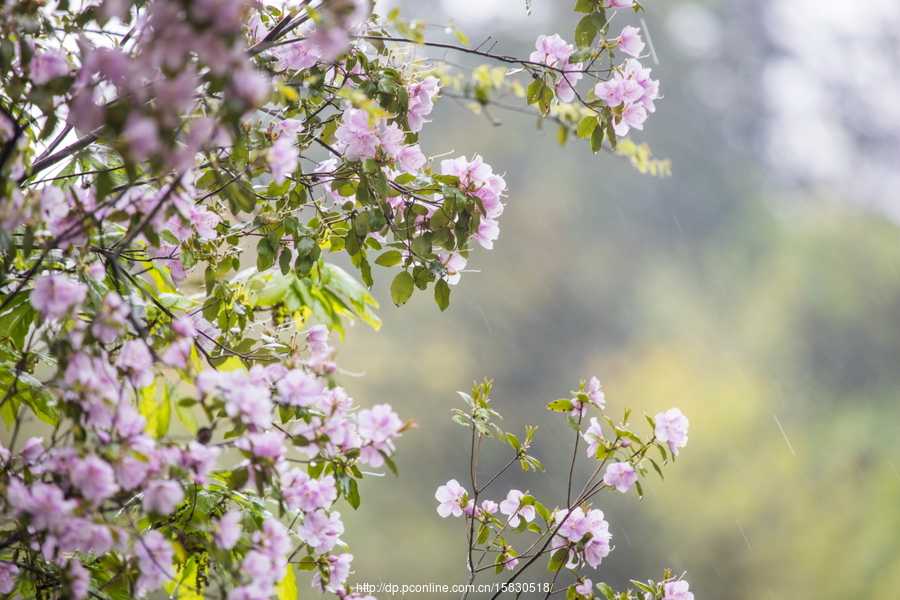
757, 289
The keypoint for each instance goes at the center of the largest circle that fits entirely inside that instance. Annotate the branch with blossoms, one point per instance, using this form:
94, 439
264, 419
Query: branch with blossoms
173, 175
571, 537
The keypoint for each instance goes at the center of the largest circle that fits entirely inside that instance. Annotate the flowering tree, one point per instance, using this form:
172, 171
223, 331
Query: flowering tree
173, 174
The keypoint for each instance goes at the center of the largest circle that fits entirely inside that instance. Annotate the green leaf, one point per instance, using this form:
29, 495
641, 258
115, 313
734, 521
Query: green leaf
534, 91
586, 31
514, 442
265, 255
606, 590
584, 6
559, 558
402, 288
483, 533
597, 139
561, 405
287, 587
103, 184
390, 258
238, 479
442, 294
587, 126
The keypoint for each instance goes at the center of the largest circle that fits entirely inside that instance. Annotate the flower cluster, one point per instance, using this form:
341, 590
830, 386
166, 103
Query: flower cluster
631, 89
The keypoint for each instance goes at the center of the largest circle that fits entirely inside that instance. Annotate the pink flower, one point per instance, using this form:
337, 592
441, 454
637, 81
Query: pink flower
136, 361
47, 66
550, 50
55, 295
95, 478
488, 231
45, 503
594, 394
141, 134
633, 117
274, 540
200, 459
575, 525
296, 56
154, 556
489, 506
621, 3
513, 507
585, 588
677, 590
32, 450
79, 579
338, 570
565, 85
630, 42
355, 136
671, 428
597, 547
302, 492
7, 128
379, 424
227, 530
509, 559
283, 158
620, 476
421, 96
8, 574
298, 388
450, 497
454, 263
161, 496
593, 436
111, 319
249, 86
321, 530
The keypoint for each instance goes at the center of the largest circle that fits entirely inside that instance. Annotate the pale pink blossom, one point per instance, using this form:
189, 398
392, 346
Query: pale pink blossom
141, 134
620, 3
47, 66
8, 574
513, 507
299, 388
450, 497
338, 570
633, 117
227, 530
488, 231
95, 478
595, 395
136, 361
550, 50
111, 319
620, 475
379, 424
356, 137
321, 530
200, 459
573, 525
671, 428
79, 579
302, 492
454, 264
55, 295
154, 554
593, 436
630, 42
32, 450
161, 496
565, 85
677, 590
421, 101
585, 588
296, 56
7, 128
283, 157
